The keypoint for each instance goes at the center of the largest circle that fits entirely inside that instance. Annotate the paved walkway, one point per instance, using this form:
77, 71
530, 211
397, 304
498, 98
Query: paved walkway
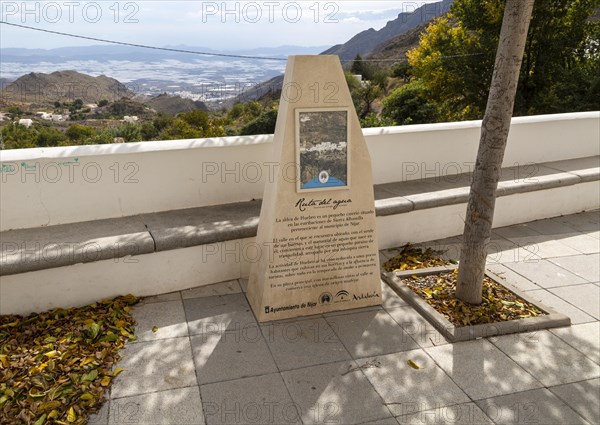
209, 362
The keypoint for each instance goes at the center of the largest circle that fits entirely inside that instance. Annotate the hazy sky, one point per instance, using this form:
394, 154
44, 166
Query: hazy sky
215, 24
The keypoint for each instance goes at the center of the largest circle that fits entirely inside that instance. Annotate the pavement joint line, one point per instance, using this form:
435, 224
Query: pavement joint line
189, 336
274, 362
362, 372
552, 293
576, 349
572, 272
445, 373
567, 404
154, 392
570, 303
135, 343
543, 386
384, 354
585, 421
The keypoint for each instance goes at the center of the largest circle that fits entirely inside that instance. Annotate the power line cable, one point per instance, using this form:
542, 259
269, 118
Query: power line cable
143, 46
224, 55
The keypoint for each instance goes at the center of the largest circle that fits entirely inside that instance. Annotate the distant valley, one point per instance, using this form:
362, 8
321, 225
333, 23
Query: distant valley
215, 81
149, 72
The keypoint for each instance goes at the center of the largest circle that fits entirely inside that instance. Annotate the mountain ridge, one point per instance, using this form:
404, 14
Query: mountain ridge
38, 87
366, 41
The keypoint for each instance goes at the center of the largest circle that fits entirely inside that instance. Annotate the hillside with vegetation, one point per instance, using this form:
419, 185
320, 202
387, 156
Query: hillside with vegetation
435, 72
42, 90
449, 72
367, 41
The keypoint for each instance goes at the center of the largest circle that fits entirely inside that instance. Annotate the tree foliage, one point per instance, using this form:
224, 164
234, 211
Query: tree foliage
409, 104
193, 125
455, 58
263, 124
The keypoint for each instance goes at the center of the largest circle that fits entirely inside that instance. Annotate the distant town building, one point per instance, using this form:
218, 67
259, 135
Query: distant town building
56, 117
130, 119
26, 122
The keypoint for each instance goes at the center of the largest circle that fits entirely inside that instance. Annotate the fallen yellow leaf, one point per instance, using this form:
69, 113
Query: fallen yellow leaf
413, 364
71, 416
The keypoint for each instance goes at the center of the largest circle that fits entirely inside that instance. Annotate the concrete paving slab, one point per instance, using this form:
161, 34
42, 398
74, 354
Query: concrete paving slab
403, 387
511, 277
223, 288
154, 366
390, 298
335, 393
584, 243
501, 250
586, 266
388, 421
227, 346
568, 232
585, 297
548, 358
168, 318
222, 356
588, 222
530, 407
418, 328
257, 400
583, 397
181, 406
371, 333
302, 343
222, 312
561, 306
100, 418
481, 370
584, 337
545, 274
464, 414
566, 235
541, 245
551, 227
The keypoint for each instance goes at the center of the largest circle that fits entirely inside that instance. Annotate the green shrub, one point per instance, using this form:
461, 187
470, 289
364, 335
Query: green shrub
409, 105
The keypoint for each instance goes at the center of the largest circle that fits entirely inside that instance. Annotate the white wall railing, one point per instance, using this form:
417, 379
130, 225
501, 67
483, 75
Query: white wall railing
48, 186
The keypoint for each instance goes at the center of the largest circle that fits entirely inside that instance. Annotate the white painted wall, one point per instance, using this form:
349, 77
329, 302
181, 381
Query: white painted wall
179, 269
48, 186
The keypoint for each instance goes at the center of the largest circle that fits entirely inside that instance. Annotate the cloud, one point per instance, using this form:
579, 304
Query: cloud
185, 22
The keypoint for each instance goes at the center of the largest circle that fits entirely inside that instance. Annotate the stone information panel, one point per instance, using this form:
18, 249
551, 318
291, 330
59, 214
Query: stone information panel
317, 226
